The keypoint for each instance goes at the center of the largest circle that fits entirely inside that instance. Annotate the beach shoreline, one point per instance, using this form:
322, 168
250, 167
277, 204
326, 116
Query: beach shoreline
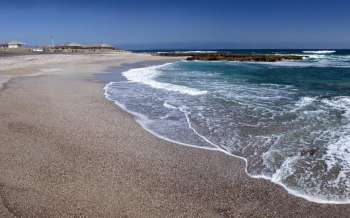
67, 151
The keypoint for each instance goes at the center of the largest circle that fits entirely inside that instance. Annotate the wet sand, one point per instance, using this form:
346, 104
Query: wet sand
66, 151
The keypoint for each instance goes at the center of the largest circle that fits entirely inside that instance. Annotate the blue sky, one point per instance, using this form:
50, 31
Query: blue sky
180, 24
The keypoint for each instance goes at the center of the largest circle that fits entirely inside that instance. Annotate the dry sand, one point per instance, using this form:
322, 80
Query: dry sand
65, 151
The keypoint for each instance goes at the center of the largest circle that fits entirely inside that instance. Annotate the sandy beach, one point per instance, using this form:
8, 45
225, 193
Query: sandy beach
66, 151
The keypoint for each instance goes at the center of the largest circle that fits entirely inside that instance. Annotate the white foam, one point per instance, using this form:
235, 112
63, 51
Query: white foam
167, 105
316, 56
340, 103
314, 61
183, 109
188, 52
143, 120
339, 150
303, 102
276, 178
286, 63
147, 76
320, 52
285, 170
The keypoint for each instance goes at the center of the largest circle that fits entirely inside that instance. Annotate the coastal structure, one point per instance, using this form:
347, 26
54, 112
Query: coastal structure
14, 48
73, 47
11, 45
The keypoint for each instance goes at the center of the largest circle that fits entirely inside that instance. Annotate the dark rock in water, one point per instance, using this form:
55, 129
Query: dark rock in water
309, 152
234, 57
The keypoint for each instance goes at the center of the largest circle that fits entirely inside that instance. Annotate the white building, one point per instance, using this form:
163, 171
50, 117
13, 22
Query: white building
12, 44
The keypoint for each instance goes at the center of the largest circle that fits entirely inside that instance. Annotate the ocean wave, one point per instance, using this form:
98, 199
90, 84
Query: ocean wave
320, 52
340, 103
286, 124
148, 75
188, 52
315, 56
320, 62
303, 102
286, 169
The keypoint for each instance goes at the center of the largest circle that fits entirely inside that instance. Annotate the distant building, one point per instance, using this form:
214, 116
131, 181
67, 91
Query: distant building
12, 44
73, 47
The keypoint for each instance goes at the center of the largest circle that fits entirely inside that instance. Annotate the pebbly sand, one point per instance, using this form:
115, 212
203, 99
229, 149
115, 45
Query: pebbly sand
65, 151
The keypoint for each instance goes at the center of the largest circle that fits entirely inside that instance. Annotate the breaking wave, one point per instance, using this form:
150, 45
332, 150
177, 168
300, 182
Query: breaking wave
147, 76
289, 123
320, 52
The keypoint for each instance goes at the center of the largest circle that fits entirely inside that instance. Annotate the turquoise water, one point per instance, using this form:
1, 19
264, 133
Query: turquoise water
290, 121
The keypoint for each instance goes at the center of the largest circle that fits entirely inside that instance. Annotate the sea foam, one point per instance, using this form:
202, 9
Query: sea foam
246, 106
148, 75
320, 52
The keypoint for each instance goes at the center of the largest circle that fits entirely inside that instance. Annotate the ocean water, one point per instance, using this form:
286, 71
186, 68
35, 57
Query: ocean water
289, 120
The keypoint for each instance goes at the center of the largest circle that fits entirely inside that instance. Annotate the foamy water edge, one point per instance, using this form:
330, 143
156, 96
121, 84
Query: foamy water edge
143, 120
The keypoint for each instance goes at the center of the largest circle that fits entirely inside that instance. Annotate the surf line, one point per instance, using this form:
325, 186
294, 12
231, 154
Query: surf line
142, 120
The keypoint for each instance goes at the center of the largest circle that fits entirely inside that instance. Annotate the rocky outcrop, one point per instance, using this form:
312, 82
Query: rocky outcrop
234, 57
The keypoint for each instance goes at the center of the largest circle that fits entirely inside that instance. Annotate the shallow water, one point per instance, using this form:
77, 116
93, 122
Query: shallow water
289, 120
